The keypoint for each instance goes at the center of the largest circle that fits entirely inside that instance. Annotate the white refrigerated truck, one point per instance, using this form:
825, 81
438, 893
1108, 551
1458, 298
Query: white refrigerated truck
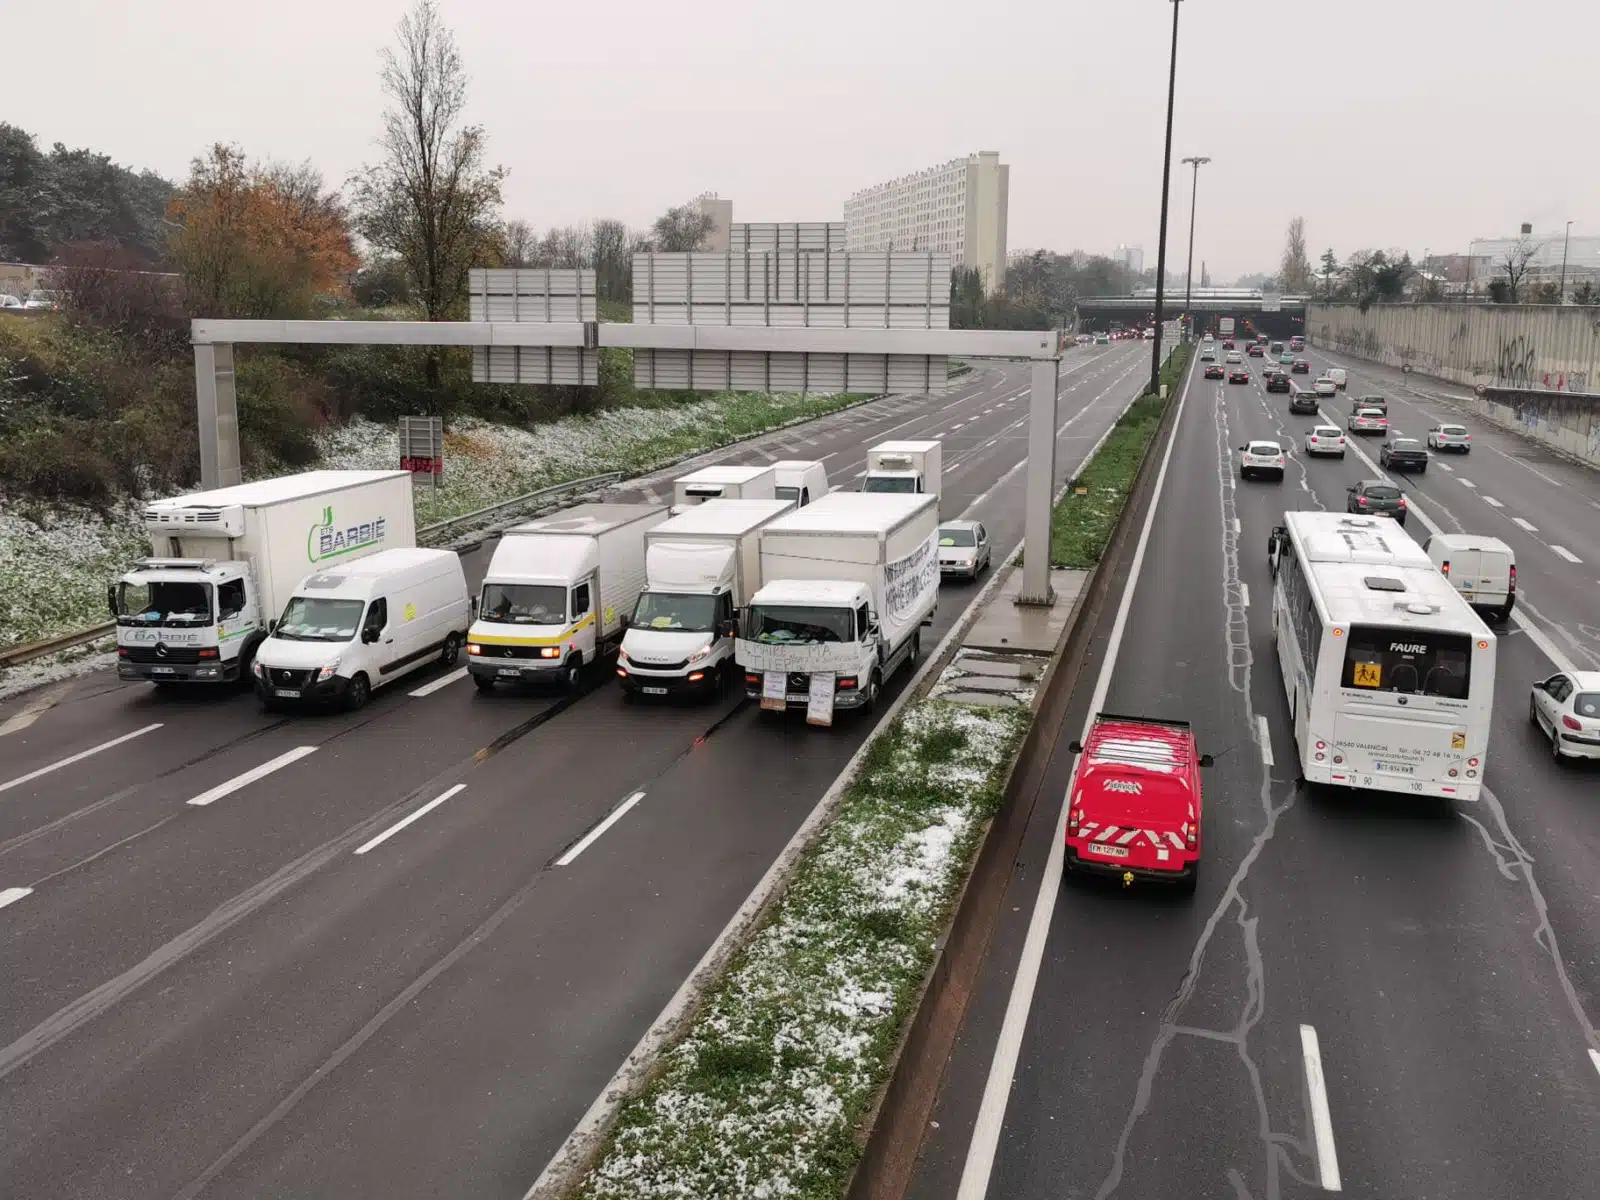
847, 584
904, 467
223, 564
701, 568
558, 593
723, 483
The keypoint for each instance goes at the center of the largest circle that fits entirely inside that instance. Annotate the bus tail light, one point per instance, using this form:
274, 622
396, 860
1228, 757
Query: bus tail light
1472, 762
1322, 745
1451, 772
1338, 758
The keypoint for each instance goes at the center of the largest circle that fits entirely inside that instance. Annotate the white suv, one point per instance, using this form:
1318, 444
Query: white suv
1325, 439
1450, 437
1324, 386
1261, 457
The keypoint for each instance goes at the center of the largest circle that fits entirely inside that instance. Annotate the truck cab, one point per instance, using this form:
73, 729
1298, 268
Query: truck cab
826, 627
175, 616
905, 467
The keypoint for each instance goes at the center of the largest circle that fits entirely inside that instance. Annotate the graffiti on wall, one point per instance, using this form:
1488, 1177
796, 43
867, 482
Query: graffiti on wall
1514, 361
1536, 409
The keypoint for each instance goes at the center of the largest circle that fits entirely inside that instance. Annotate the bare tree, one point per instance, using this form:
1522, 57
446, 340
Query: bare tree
682, 228
430, 199
613, 259
1518, 258
518, 243
1296, 270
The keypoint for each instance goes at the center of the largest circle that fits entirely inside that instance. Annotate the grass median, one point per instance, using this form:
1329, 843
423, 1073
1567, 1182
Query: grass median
1082, 522
764, 1094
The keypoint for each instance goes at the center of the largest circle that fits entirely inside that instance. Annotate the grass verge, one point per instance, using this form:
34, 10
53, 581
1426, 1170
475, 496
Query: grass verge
1081, 525
764, 1094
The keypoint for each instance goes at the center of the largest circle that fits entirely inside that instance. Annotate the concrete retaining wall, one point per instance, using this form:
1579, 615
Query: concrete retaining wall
1535, 368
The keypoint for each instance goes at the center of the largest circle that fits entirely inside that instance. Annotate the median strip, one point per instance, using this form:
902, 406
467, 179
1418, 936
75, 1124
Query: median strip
764, 1093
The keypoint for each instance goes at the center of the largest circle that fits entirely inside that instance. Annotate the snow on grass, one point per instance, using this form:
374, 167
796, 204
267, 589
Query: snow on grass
55, 562
487, 463
763, 1096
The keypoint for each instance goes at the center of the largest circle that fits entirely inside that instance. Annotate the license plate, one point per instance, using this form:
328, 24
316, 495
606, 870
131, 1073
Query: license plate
1394, 768
1112, 851
508, 671
654, 691
163, 671
287, 693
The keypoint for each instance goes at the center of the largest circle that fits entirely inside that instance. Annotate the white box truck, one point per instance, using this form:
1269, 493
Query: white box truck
224, 562
723, 483
903, 467
558, 593
701, 568
847, 584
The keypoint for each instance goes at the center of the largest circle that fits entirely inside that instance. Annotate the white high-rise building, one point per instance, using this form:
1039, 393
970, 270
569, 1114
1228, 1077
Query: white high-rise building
1131, 257
958, 207
721, 213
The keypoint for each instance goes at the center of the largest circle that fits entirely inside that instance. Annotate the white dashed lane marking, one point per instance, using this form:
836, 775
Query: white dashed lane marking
1566, 554
1525, 524
1492, 502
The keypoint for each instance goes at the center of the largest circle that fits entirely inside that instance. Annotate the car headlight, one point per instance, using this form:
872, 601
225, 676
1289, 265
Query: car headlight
327, 672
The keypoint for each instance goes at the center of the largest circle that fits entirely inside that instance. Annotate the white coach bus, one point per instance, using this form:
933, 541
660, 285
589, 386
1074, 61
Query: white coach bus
1388, 671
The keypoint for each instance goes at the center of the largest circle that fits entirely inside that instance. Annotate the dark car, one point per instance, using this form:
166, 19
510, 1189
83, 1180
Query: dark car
1215, 371
1301, 367
1238, 375
1404, 454
1227, 344
1277, 348
1374, 497
1256, 351
1304, 403
1277, 381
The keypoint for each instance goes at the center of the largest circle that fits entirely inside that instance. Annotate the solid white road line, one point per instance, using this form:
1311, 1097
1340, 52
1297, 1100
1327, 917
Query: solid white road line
1566, 554
78, 757
594, 834
1244, 595
1002, 1069
1594, 1057
255, 773
1264, 736
1321, 1119
12, 895
443, 681
1492, 502
416, 816
1525, 524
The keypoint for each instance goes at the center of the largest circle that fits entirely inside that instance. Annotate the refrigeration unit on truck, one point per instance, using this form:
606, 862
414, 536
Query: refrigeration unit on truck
847, 584
1225, 327
223, 563
723, 483
903, 467
701, 568
558, 593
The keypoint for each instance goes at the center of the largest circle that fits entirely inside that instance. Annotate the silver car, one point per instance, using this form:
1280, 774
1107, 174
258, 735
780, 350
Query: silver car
963, 549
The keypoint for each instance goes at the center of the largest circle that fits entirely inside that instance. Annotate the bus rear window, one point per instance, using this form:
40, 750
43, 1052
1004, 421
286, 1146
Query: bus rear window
1408, 662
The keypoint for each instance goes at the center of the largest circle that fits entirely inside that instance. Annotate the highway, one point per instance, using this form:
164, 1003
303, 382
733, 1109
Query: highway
1445, 958
250, 955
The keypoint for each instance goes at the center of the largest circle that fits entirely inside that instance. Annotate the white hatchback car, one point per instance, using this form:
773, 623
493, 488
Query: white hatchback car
1566, 708
1325, 439
1261, 457
1324, 386
1234, 357
1369, 420
1450, 437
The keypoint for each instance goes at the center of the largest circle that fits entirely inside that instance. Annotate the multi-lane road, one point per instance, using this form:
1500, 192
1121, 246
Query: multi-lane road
1396, 998
382, 953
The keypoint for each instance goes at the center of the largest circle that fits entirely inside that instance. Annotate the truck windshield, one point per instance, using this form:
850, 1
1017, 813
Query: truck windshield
781, 625
1403, 660
165, 602
524, 603
890, 483
317, 619
680, 613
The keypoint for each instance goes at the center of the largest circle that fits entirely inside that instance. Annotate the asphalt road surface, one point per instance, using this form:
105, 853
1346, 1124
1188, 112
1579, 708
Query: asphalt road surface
1444, 956
264, 994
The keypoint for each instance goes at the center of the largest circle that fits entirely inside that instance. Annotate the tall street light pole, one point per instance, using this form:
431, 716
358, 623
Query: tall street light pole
1188, 278
1166, 188
1566, 242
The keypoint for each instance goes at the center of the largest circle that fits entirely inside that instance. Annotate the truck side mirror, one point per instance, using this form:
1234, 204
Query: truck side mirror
1207, 760
111, 598
624, 622
730, 628
472, 608
369, 635
1075, 747
272, 625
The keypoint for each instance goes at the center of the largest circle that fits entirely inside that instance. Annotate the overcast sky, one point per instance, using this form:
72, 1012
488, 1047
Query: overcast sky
1385, 123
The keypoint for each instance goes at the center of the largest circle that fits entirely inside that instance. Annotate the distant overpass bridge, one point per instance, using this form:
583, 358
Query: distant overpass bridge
1281, 316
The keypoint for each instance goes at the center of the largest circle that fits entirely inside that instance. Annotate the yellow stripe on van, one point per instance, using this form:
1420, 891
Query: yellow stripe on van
496, 639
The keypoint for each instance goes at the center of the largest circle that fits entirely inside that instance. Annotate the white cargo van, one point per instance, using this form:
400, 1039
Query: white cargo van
222, 563
723, 483
701, 568
558, 593
847, 584
356, 626
904, 467
800, 480
1482, 569
1339, 377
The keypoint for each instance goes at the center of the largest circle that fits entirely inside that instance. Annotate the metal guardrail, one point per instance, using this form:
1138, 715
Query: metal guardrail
438, 532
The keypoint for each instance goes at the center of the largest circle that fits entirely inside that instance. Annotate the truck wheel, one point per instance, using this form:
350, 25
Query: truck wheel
572, 676
874, 685
451, 651
483, 683
916, 650
359, 692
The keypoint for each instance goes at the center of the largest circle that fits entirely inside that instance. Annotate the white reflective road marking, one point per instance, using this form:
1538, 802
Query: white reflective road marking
12, 895
1525, 524
594, 834
1321, 1118
443, 681
1264, 736
1566, 554
78, 757
1237, 528
1492, 502
255, 773
1244, 595
1465, 482
416, 816
1444, 466
1594, 1057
